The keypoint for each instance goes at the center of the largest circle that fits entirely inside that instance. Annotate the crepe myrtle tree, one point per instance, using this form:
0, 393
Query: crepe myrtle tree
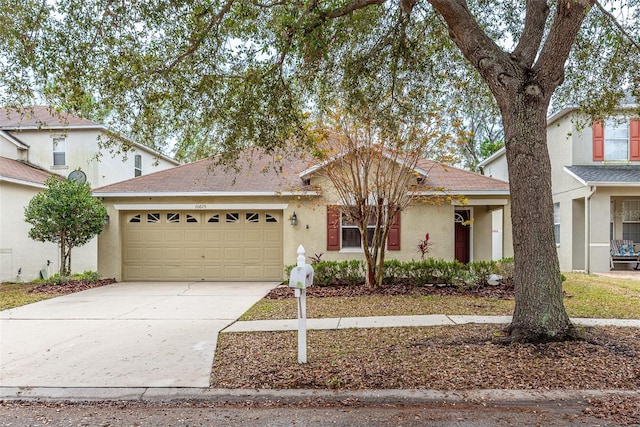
373, 166
215, 76
67, 214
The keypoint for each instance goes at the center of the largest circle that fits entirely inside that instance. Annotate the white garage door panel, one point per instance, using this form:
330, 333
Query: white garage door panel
225, 245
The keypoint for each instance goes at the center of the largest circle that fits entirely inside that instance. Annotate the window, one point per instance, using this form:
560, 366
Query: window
173, 217
135, 218
153, 218
270, 218
616, 140
233, 217
343, 234
351, 237
214, 218
191, 219
59, 152
137, 170
252, 217
556, 222
631, 220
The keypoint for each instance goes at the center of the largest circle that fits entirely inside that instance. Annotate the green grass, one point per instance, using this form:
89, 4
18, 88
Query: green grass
587, 296
17, 294
602, 297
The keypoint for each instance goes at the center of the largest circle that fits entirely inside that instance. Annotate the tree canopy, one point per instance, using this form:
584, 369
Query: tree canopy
218, 75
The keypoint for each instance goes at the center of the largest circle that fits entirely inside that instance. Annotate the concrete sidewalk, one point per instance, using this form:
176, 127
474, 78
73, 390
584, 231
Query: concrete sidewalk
399, 321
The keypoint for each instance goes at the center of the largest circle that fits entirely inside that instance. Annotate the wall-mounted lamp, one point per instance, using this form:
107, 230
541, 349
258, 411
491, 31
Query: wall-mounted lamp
294, 219
106, 220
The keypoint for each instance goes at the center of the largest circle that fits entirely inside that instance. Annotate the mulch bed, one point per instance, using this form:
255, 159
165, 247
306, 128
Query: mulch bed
69, 287
501, 291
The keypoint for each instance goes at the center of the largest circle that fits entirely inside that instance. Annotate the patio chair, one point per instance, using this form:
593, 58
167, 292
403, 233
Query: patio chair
623, 252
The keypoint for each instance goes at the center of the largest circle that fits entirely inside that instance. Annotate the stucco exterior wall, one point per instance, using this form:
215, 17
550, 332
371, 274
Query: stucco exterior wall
311, 230
82, 151
8, 149
17, 250
497, 168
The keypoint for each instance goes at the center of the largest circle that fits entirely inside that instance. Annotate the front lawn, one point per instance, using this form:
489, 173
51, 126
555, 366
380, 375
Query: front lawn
586, 296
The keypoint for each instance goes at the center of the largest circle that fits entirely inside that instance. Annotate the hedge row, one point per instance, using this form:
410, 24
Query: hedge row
424, 272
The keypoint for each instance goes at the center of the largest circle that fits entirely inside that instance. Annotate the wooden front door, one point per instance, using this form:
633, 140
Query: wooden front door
462, 236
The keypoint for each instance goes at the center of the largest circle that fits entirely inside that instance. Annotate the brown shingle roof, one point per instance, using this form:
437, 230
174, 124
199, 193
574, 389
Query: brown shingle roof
254, 173
19, 171
40, 117
459, 180
259, 174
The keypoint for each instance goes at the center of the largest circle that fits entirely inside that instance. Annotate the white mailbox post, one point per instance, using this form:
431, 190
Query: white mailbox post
300, 278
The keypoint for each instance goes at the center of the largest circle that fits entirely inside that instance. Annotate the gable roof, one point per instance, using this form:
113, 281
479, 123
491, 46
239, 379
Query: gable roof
22, 173
615, 175
460, 181
41, 117
258, 174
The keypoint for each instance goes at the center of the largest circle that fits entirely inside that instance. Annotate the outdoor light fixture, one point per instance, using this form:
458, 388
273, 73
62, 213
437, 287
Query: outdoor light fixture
106, 220
294, 219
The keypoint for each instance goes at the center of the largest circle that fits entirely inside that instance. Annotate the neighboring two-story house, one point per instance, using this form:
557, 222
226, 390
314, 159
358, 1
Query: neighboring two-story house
35, 144
595, 183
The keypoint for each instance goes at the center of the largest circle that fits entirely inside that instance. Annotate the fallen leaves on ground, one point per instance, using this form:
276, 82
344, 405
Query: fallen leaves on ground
459, 357
69, 287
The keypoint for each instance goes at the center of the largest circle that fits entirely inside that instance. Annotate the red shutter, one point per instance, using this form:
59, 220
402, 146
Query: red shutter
634, 140
598, 141
393, 240
333, 228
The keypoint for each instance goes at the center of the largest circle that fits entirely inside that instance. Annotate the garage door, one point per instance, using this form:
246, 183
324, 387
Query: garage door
199, 245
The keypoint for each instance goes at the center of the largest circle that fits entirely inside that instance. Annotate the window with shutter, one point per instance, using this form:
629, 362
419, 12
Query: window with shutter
343, 234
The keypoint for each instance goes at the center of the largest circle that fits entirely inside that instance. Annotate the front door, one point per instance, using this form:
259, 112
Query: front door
462, 235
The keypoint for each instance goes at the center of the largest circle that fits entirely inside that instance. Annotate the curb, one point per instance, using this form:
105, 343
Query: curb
293, 396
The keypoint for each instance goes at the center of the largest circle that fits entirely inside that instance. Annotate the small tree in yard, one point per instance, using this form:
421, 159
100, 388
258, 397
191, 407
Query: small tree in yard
65, 213
373, 168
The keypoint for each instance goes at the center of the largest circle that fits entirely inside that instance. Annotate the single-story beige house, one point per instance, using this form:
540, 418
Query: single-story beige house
202, 221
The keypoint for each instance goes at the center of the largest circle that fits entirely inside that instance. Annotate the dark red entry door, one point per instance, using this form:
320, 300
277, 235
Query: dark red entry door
462, 236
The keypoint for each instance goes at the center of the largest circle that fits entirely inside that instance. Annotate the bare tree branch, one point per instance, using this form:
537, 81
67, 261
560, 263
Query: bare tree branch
195, 44
353, 6
549, 67
534, 24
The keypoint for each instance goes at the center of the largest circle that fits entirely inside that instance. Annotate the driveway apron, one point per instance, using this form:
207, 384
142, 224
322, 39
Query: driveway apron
122, 335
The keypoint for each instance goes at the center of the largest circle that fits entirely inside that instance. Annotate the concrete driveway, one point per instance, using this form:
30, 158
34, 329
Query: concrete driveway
122, 335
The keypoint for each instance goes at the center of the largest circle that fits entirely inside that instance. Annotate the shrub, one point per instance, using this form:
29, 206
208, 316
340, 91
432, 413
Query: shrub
87, 276
423, 272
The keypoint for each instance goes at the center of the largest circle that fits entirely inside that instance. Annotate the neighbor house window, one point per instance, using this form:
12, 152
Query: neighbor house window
631, 220
556, 222
59, 152
137, 170
616, 140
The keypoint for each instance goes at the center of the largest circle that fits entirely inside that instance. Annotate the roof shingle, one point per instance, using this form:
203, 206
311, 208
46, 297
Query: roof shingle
259, 173
19, 171
40, 117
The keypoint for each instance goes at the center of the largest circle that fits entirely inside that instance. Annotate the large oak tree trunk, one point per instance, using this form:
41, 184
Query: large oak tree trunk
522, 82
539, 311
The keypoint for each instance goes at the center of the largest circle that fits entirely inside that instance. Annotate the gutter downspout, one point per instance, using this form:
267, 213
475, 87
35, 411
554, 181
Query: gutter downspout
588, 229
